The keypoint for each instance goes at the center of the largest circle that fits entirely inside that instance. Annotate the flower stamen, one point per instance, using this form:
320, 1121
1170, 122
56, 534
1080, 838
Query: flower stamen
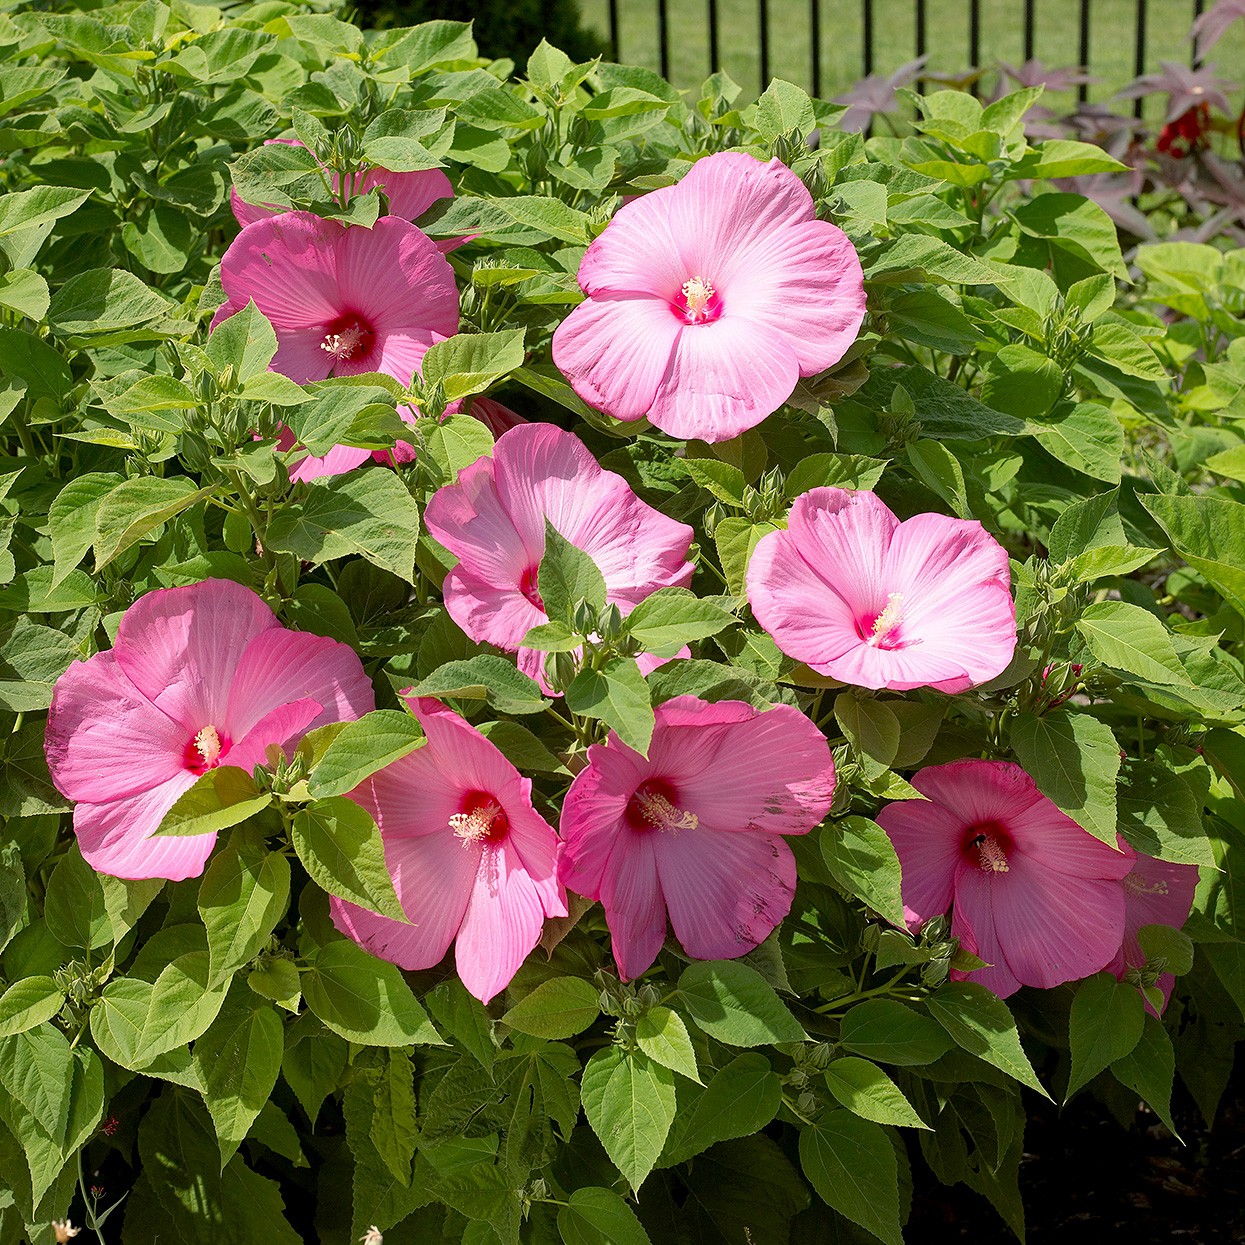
696, 293
207, 744
991, 857
662, 814
479, 824
345, 344
888, 619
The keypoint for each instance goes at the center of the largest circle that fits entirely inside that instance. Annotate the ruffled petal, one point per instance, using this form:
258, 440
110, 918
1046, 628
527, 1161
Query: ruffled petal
181, 647
285, 726
105, 739
725, 892
617, 352
115, 837
724, 377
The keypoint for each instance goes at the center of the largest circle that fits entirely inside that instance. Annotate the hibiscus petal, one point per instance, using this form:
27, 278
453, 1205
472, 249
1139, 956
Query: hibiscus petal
181, 646
285, 725
592, 815
339, 460
410, 194
725, 892
115, 837
927, 838
973, 924
634, 908
104, 739
616, 352
724, 377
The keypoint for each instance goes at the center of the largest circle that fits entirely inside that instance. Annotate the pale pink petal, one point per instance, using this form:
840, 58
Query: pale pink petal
617, 352
115, 837
500, 616
539, 851
399, 354
181, 647
726, 892
634, 907
504, 919
724, 377
844, 535
300, 355
285, 726
927, 838
433, 875
339, 460
410, 797
104, 739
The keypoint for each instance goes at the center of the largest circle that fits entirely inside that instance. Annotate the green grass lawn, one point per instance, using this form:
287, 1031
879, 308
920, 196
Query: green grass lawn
1112, 38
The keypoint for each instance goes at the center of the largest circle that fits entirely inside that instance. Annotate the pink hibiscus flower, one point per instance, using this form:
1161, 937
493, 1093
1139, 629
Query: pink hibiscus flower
708, 300
493, 520
863, 598
200, 676
1156, 892
695, 829
472, 861
1031, 893
410, 194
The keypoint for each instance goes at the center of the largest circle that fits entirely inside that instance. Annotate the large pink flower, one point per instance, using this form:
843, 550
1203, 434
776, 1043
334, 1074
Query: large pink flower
342, 299
1031, 893
861, 597
410, 195
472, 861
200, 676
493, 520
1156, 892
708, 300
695, 829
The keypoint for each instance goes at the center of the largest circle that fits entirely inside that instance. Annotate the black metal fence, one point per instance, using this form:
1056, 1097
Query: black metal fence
943, 13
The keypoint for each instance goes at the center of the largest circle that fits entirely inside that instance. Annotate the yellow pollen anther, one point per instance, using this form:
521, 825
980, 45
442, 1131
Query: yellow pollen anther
343, 345
477, 825
697, 292
207, 745
993, 859
1139, 886
658, 810
888, 619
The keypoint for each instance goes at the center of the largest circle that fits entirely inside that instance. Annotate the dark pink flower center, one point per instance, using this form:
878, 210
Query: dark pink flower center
986, 844
349, 338
654, 805
527, 586
883, 629
205, 750
480, 819
698, 302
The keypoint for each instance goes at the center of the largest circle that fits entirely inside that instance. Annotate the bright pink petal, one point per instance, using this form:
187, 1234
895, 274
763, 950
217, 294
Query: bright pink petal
927, 840
181, 646
339, 460
500, 616
977, 791
104, 739
592, 815
280, 666
115, 837
617, 352
973, 924
726, 892
496, 417
724, 377
1156, 892
300, 355
284, 726
634, 907
433, 875
410, 194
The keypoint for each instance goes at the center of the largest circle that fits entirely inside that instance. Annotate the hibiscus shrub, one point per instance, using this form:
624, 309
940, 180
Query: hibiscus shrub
586, 665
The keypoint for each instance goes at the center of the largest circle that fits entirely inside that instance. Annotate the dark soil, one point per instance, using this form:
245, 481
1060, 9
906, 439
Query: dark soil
1087, 1180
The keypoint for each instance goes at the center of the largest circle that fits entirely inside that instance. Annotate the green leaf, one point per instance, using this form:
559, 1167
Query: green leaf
725, 482
941, 472
671, 617
103, 300
486, 677
26, 1004
25, 292
135, 507
783, 109
891, 1032
567, 576
1105, 1025
630, 1102
1074, 759
1161, 814
558, 1008
74, 904
862, 859
833, 471
982, 1024
364, 999
851, 1164
913, 253
237, 1061
341, 848
1209, 533
599, 1217
1149, 1069
870, 725
1086, 437
735, 1004
617, 695
361, 748
1128, 638
244, 893
470, 363
1074, 224
735, 539
71, 519
1060, 157
740, 1099
455, 442
865, 1090
246, 342
661, 1034
222, 797
369, 513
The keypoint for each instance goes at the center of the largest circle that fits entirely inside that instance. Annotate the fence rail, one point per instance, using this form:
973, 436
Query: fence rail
937, 18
